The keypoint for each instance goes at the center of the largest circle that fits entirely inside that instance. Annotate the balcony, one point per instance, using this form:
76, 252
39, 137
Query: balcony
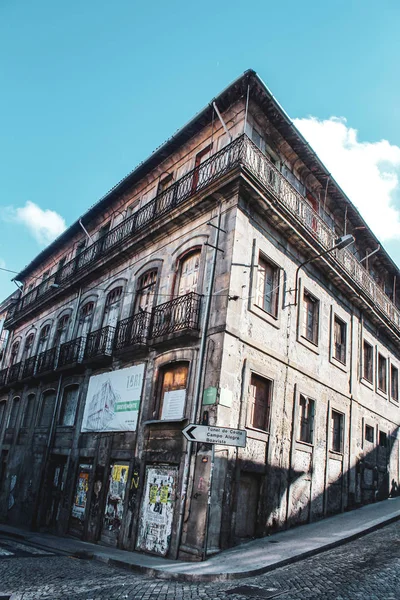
28, 370
71, 353
14, 372
179, 316
3, 377
190, 184
99, 345
132, 332
239, 153
46, 361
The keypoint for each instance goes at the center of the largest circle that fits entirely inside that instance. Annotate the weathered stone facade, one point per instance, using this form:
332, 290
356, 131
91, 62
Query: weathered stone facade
190, 276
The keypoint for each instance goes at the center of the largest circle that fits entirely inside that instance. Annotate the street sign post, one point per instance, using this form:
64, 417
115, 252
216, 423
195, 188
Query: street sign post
225, 436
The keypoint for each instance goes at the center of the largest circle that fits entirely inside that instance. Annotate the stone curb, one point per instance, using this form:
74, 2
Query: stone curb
212, 577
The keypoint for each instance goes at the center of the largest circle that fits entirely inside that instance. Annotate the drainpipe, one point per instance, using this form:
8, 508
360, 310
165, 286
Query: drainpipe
199, 377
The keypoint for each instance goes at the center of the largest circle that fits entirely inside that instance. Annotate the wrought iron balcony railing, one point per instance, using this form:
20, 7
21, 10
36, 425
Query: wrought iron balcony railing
239, 153
99, 343
14, 372
191, 183
180, 315
3, 377
132, 331
46, 361
28, 370
70, 353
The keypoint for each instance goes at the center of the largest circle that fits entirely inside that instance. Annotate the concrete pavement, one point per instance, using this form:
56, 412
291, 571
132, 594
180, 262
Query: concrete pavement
252, 558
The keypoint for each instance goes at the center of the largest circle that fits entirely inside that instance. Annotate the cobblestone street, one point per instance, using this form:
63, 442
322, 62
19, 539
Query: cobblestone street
367, 569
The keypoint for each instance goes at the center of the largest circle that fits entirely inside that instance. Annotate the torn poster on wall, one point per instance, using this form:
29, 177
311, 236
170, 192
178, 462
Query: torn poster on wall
81, 492
115, 497
113, 400
157, 510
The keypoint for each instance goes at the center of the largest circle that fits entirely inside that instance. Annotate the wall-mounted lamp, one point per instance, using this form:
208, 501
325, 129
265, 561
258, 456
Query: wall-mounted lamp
54, 286
343, 242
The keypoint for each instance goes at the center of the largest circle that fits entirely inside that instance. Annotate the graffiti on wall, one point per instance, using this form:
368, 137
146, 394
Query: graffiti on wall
115, 498
157, 510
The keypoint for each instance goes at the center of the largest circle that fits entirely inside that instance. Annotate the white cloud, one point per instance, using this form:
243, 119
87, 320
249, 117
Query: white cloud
367, 171
45, 225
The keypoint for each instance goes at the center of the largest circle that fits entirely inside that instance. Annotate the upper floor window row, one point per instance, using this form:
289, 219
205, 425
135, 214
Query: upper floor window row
378, 369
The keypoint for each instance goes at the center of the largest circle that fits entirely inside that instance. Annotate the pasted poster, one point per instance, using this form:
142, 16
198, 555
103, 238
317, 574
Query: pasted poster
113, 400
173, 404
115, 498
157, 510
81, 492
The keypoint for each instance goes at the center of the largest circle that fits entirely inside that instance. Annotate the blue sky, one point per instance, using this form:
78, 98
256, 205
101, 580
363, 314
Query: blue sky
89, 89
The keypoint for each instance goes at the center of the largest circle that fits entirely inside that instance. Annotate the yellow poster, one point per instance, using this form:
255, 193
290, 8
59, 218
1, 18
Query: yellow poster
120, 473
153, 494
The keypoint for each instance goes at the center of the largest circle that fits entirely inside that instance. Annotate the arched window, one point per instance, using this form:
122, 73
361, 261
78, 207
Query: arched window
28, 346
62, 330
188, 275
69, 405
47, 408
14, 352
172, 385
43, 339
12, 419
85, 318
113, 302
29, 410
145, 291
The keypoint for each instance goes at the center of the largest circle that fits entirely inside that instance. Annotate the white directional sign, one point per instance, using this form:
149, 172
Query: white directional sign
225, 436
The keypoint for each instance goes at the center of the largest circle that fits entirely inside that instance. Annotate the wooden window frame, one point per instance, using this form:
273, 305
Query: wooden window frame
252, 421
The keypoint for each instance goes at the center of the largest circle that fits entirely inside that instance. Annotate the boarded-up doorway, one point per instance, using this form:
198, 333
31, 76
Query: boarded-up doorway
247, 505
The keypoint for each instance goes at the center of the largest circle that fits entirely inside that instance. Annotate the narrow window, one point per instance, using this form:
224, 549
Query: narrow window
28, 412
189, 268
172, 391
310, 318
47, 409
85, 319
12, 419
43, 339
145, 291
368, 362
164, 183
69, 405
14, 353
382, 373
200, 172
62, 329
337, 431
382, 439
394, 383
112, 309
339, 340
369, 433
28, 346
260, 402
267, 287
307, 408
3, 405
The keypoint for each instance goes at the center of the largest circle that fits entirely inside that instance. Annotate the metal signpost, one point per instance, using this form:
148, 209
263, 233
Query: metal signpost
224, 436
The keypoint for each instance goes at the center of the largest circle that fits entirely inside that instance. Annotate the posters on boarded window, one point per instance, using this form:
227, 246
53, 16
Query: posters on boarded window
113, 400
81, 492
157, 510
115, 498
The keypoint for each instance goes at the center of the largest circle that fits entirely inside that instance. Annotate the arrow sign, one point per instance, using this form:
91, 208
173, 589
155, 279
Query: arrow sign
225, 436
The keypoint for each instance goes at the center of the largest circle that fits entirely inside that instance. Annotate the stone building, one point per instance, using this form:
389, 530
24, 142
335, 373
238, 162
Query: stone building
206, 287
